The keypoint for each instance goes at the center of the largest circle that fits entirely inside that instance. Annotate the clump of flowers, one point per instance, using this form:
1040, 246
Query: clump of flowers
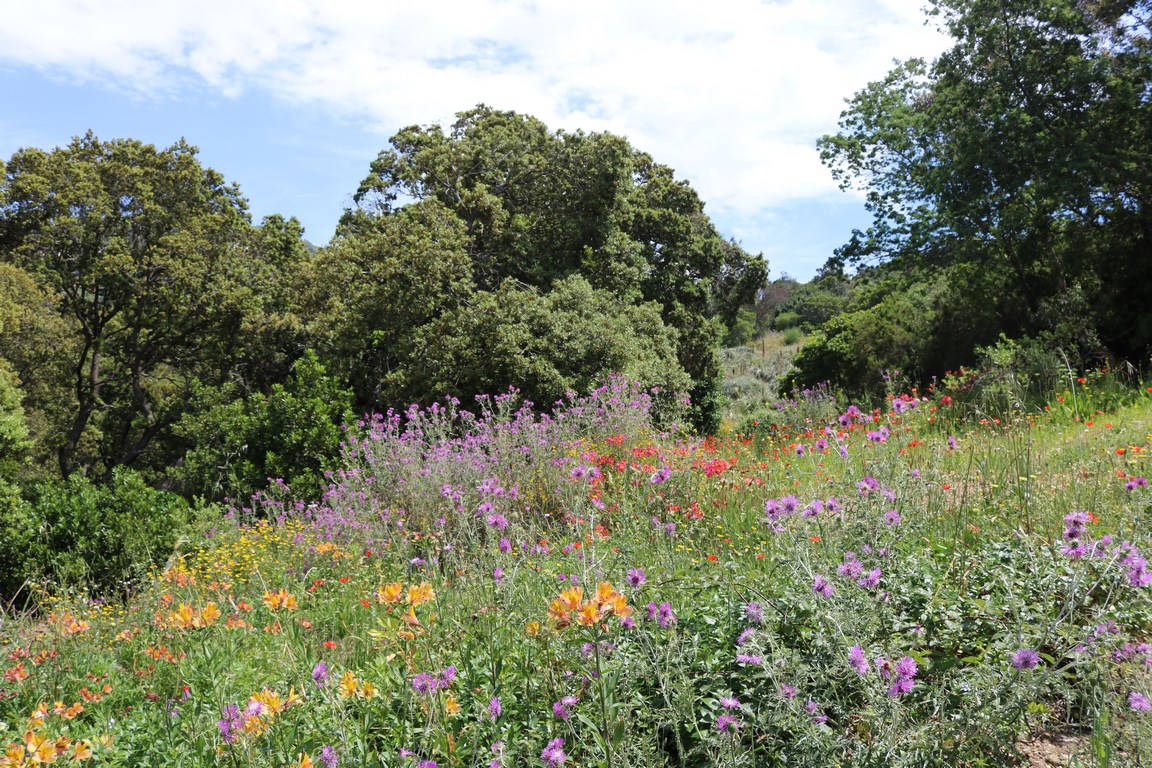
571, 606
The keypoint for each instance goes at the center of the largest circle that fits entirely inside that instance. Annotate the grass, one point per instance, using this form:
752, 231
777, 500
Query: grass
899, 587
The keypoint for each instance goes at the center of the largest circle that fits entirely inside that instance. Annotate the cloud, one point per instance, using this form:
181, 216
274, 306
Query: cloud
732, 94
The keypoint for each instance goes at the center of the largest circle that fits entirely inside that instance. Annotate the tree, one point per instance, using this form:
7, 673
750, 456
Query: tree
538, 207
1022, 150
138, 248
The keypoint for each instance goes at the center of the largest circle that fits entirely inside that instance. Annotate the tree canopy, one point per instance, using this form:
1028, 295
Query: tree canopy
1018, 157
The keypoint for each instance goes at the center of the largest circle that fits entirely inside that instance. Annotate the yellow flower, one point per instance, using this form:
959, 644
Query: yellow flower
390, 593
348, 685
367, 690
420, 594
304, 761
451, 706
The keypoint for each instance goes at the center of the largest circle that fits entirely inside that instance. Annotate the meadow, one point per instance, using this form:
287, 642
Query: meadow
929, 583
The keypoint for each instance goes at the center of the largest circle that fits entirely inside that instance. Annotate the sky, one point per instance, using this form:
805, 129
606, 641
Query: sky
293, 99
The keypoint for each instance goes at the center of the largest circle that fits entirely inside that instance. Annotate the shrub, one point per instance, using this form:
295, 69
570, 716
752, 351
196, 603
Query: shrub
102, 537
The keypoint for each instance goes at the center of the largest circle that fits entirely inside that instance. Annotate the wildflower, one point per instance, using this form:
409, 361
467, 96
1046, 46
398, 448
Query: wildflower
832, 505
871, 580
1025, 658
800, 450
787, 691
1136, 482
497, 521
553, 754
505, 546
813, 509
660, 476
636, 577
424, 683
814, 710
892, 517
563, 709
789, 505
320, 674
857, 661
750, 659
1075, 525
670, 529
729, 702
745, 636
498, 575
1139, 702
904, 673
822, 587
494, 709
426, 764
328, 756
727, 723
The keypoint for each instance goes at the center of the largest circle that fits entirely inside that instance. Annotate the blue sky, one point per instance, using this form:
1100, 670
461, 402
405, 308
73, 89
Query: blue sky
293, 99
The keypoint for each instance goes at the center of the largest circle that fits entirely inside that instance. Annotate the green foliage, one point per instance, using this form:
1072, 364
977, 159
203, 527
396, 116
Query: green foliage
139, 253
535, 208
237, 445
14, 443
544, 344
1020, 154
856, 351
101, 539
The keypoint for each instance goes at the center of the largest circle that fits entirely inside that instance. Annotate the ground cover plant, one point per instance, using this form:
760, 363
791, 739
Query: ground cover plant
916, 584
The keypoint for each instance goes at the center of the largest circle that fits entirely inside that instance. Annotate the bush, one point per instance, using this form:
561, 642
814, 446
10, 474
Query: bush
76, 534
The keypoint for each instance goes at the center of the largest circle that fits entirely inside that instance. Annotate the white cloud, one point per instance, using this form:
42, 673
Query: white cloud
732, 94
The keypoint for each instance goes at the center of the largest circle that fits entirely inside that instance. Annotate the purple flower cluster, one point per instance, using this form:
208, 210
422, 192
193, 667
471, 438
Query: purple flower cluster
1136, 482
662, 614
822, 586
230, 723
553, 754
901, 675
1025, 658
426, 683
853, 569
563, 709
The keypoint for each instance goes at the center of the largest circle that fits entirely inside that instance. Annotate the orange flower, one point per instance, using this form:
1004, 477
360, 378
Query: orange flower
349, 685
571, 599
420, 594
589, 614
390, 593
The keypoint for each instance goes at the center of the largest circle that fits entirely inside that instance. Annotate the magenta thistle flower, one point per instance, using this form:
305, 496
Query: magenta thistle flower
328, 756
727, 723
553, 754
1025, 658
320, 674
494, 708
730, 702
1139, 702
857, 661
750, 659
636, 577
823, 587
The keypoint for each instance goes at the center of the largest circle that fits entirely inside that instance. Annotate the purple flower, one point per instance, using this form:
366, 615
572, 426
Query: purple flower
789, 505
871, 580
1136, 482
1139, 702
497, 521
857, 661
553, 754
636, 577
425, 683
823, 587
892, 517
813, 509
745, 636
729, 702
800, 450
505, 545
494, 709
328, 756
660, 476
814, 710
787, 691
754, 612
749, 659
563, 709
426, 764
727, 723
320, 674
902, 674
1025, 658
